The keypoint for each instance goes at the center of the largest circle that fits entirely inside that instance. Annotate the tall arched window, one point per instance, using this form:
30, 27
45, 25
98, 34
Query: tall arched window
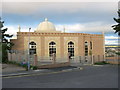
90, 45
52, 48
32, 49
71, 49
86, 48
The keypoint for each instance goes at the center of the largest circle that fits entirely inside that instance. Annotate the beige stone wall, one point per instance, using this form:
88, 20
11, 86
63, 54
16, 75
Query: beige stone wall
81, 46
54, 39
37, 40
61, 39
18, 43
98, 48
66, 41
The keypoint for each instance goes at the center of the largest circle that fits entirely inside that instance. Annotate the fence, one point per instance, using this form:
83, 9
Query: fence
87, 60
113, 60
21, 56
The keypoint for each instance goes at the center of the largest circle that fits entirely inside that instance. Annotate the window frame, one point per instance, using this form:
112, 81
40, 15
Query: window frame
52, 48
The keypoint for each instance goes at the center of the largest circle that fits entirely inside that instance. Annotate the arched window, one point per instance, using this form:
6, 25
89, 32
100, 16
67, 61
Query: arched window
86, 48
71, 49
32, 49
90, 45
52, 48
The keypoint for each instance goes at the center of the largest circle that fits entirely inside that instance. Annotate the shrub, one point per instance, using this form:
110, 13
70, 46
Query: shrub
101, 63
35, 67
118, 53
23, 64
4, 53
12, 62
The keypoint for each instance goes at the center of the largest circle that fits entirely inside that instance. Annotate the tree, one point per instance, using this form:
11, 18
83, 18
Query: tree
117, 27
4, 43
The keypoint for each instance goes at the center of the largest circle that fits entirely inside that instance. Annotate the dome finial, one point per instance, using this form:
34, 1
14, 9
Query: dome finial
19, 28
46, 19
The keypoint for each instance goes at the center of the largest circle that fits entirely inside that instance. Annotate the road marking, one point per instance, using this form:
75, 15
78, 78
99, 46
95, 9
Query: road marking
32, 74
97, 65
28, 75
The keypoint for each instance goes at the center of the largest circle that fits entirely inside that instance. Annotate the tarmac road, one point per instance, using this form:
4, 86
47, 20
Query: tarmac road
90, 77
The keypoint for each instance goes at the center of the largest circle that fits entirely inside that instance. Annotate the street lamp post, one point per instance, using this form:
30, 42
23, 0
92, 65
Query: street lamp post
29, 49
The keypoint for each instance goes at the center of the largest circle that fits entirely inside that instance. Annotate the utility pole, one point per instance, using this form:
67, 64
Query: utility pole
29, 49
103, 44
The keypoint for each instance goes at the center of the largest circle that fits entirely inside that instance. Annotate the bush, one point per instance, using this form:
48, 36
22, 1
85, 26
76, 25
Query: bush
35, 67
118, 53
101, 63
12, 62
23, 64
4, 53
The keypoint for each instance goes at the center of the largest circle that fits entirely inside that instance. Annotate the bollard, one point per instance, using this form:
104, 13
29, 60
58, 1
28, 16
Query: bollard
93, 59
80, 59
103, 58
69, 57
54, 58
35, 59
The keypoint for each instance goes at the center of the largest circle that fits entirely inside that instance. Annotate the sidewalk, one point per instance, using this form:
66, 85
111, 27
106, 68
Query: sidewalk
9, 68
14, 70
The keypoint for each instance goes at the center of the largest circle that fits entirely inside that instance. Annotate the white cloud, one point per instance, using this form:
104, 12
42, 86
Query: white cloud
70, 28
87, 27
112, 42
97, 28
112, 37
12, 30
23, 8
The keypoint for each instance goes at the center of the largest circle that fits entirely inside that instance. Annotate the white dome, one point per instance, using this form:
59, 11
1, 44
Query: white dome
45, 26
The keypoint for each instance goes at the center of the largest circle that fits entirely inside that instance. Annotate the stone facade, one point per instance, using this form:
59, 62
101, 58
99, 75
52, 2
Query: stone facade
42, 40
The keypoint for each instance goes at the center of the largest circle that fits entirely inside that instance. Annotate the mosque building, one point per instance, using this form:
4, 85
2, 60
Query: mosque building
46, 40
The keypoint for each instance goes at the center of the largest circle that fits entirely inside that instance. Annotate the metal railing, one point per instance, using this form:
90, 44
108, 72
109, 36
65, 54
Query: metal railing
21, 56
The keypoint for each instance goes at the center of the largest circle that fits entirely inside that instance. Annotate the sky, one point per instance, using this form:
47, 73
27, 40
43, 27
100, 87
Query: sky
78, 17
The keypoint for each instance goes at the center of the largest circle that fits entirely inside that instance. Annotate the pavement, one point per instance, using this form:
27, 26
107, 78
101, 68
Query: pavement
8, 68
14, 70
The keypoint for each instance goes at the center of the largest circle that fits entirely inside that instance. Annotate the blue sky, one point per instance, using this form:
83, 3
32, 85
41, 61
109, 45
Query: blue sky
79, 17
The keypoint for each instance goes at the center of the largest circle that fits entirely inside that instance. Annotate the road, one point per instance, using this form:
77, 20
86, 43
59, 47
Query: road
90, 77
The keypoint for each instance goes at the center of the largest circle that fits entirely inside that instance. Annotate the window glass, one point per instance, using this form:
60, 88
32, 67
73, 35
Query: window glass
86, 48
52, 48
32, 49
71, 49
